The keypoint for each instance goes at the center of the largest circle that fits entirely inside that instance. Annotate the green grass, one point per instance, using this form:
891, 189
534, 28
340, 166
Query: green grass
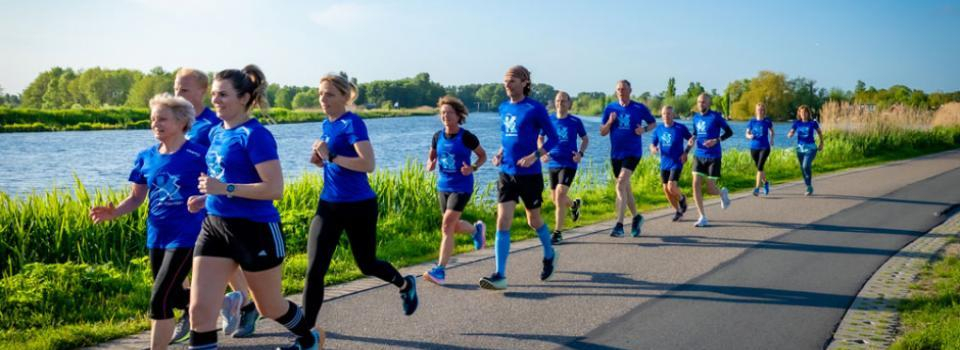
931, 316
36, 120
52, 229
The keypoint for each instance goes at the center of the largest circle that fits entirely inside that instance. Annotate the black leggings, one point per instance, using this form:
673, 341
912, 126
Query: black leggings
359, 219
169, 267
760, 157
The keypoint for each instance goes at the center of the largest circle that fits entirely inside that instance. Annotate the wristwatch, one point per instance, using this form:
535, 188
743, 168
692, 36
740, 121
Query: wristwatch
230, 189
331, 156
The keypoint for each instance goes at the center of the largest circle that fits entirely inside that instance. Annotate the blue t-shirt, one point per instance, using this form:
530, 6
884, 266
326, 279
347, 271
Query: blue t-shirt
805, 132
200, 131
171, 179
520, 124
341, 184
624, 141
452, 154
708, 126
761, 133
671, 140
232, 158
568, 129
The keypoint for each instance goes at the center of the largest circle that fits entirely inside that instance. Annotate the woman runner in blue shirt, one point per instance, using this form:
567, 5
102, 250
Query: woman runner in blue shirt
238, 314
450, 150
347, 203
760, 133
562, 160
807, 147
242, 227
167, 174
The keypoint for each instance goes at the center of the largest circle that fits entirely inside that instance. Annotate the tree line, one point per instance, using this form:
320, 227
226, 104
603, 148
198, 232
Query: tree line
65, 88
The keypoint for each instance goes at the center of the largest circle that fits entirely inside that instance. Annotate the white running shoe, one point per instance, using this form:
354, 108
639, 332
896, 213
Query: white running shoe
230, 312
724, 198
702, 222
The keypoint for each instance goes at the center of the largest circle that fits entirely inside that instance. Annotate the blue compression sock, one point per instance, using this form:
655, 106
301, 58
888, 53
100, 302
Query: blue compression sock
502, 250
544, 233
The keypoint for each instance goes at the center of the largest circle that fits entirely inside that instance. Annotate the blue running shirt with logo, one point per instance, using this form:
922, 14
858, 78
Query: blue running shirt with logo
761, 133
624, 141
340, 184
232, 158
170, 179
708, 126
520, 124
568, 130
671, 141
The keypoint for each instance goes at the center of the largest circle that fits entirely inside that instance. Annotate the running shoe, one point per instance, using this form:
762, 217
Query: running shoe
575, 209
479, 235
766, 188
724, 198
409, 296
809, 191
702, 222
296, 343
436, 275
181, 332
494, 282
683, 204
677, 216
617, 230
548, 266
636, 225
557, 237
230, 312
756, 191
248, 323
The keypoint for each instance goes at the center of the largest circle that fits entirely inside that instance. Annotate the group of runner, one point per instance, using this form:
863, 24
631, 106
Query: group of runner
213, 177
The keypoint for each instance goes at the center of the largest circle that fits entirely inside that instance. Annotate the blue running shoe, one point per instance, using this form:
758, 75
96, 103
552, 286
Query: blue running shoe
617, 230
636, 225
409, 296
766, 188
480, 235
436, 275
298, 346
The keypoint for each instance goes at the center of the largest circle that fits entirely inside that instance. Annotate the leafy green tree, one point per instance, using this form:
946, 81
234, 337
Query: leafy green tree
307, 98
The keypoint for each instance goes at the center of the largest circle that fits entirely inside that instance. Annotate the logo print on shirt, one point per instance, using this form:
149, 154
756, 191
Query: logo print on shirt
562, 132
624, 121
666, 139
215, 165
701, 127
510, 125
166, 186
803, 132
757, 131
447, 162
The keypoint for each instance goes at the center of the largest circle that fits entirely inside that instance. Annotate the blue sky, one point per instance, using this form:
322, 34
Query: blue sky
575, 46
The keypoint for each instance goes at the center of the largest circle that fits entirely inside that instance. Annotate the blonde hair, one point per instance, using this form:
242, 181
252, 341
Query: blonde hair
457, 106
197, 75
803, 108
343, 85
181, 108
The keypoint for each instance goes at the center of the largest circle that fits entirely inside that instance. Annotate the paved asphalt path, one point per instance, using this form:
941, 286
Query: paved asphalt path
775, 272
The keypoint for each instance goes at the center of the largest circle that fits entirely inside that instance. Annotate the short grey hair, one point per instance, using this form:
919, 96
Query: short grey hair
181, 108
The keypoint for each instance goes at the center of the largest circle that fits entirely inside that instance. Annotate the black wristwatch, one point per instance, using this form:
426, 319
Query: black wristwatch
331, 156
